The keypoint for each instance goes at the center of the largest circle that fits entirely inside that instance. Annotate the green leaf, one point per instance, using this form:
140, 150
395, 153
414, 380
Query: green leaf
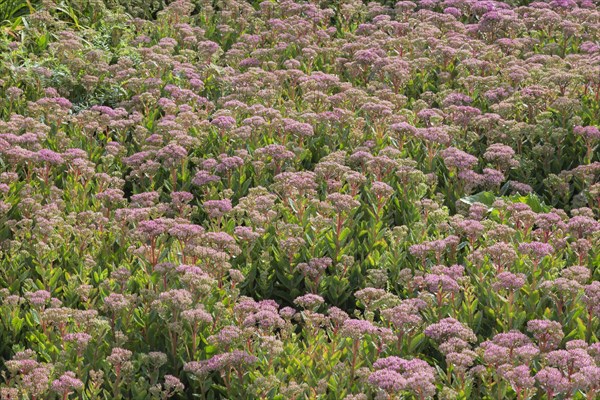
416, 342
486, 198
17, 323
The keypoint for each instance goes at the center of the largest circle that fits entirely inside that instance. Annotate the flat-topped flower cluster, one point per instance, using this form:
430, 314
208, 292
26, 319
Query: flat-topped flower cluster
300, 200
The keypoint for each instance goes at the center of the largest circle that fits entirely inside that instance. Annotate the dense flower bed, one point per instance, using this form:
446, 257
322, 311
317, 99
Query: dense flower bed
300, 200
